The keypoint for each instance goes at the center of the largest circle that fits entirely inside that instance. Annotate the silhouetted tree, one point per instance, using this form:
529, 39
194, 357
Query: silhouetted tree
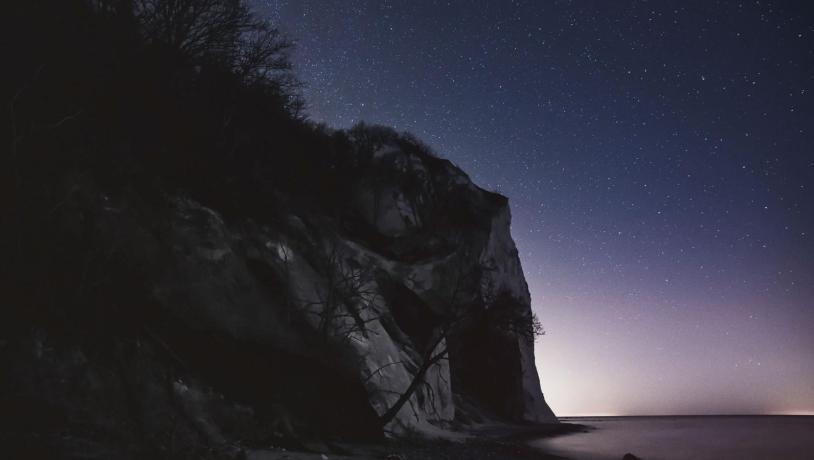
223, 31
345, 308
462, 309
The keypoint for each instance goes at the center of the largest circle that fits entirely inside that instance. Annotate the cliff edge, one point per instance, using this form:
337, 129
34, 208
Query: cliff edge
295, 323
193, 269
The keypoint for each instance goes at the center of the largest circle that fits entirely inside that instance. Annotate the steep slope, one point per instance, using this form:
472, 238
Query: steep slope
192, 266
303, 324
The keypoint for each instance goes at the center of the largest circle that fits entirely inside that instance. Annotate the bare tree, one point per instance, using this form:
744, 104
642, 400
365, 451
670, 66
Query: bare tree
508, 314
195, 27
458, 309
263, 54
224, 31
344, 308
472, 293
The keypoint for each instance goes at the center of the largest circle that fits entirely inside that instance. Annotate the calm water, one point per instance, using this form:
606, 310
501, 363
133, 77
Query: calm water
688, 438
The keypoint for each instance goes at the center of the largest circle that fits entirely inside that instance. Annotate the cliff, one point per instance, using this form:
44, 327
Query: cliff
191, 267
224, 327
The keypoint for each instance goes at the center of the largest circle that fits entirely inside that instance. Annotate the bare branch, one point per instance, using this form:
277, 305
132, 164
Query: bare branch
66, 119
378, 371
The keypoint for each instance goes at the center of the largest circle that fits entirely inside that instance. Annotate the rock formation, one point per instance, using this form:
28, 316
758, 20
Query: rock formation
221, 329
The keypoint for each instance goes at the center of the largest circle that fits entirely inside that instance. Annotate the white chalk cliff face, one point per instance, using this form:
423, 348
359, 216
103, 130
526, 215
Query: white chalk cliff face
373, 290
325, 316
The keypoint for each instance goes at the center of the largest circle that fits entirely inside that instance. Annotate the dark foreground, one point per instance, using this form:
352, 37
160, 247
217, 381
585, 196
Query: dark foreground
498, 442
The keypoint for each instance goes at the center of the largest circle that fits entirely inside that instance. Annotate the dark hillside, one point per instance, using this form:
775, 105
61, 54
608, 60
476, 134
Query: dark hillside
191, 266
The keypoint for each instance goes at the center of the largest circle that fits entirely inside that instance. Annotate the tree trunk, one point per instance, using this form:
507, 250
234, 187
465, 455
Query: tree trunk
418, 379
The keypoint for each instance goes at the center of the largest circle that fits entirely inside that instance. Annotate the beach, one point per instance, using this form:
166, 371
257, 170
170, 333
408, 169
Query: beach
489, 442
592, 438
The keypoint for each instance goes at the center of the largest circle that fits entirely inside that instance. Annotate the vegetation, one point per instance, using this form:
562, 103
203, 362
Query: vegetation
155, 97
146, 99
498, 311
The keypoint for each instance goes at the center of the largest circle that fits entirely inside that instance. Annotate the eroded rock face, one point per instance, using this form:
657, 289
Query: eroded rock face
311, 322
378, 305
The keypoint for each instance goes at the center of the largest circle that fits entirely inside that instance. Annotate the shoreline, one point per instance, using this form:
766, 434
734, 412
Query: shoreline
492, 442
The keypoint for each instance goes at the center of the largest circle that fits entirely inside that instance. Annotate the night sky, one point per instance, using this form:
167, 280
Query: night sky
659, 161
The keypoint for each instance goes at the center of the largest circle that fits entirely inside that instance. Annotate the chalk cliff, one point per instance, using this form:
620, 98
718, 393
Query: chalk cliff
192, 268
293, 323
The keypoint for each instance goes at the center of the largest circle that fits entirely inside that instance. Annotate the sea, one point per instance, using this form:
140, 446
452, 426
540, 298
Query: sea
687, 438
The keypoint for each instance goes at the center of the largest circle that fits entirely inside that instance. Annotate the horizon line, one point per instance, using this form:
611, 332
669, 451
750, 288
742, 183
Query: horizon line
803, 413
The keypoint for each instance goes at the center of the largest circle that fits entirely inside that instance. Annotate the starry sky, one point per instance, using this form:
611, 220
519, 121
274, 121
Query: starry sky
659, 161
